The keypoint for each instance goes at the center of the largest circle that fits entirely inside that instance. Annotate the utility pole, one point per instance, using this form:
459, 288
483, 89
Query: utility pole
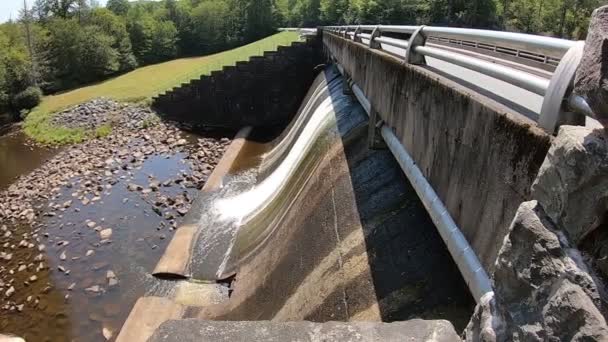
28, 36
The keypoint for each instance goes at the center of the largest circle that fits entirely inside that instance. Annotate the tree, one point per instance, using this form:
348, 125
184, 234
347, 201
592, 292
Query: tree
259, 21
118, 7
210, 25
164, 42
80, 54
115, 27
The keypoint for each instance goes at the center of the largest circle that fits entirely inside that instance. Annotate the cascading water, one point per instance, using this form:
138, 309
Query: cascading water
321, 228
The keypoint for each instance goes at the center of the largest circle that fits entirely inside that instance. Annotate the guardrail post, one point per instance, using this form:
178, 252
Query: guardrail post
356, 37
374, 136
553, 113
417, 39
346, 84
373, 44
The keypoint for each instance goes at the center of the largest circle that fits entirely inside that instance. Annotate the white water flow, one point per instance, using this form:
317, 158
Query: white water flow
251, 203
235, 213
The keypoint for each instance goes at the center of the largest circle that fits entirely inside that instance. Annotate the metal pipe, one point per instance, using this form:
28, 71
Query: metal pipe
400, 43
554, 47
579, 105
521, 79
398, 29
464, 256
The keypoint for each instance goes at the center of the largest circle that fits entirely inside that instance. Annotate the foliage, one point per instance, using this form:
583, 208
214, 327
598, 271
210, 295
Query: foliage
118, 7
28, 99
59, 45
140, 84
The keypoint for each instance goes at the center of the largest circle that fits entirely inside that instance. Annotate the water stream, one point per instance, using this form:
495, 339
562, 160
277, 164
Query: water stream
87, 286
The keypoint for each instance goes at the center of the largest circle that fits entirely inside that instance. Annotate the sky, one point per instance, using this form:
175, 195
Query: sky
10, 8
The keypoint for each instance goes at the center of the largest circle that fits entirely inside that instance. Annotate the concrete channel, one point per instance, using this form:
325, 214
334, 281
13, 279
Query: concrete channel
313, 226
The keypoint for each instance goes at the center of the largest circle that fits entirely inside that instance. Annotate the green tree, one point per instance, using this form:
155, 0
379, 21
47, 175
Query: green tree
260, 19
210, 21
80, 54
115, 27
118, 7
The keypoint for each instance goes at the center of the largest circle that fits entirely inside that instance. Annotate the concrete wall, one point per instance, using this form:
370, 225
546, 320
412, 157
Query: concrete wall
264, 91
479, 157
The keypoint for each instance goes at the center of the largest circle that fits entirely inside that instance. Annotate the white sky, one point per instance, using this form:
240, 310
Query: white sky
10, 8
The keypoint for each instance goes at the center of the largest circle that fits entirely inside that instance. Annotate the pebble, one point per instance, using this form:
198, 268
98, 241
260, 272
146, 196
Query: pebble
93, 289
105, 234
107, 333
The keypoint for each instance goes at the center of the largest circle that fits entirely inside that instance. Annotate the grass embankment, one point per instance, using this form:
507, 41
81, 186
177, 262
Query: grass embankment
139, 85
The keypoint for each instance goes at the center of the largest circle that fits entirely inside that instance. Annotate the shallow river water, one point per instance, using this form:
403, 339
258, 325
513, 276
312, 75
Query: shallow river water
88, 286
18, 157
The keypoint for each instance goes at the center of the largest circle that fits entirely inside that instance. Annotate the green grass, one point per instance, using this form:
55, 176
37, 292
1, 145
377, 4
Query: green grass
139, 86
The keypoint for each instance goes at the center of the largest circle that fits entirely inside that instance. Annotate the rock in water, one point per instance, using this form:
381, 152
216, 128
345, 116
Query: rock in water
105, 234
10, 338
107, 333
592, 75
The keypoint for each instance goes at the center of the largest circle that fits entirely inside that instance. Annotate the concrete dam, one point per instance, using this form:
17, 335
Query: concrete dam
373, 194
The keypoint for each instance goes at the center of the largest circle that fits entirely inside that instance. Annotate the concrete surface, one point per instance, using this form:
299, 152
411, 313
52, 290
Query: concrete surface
200, 331
264, 91
345, 238
479, 156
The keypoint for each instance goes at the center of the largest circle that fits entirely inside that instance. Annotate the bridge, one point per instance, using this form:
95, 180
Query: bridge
427, 171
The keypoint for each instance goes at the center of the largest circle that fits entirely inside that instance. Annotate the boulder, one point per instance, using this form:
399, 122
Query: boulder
543, 290
198, 330
592, 75
572, 184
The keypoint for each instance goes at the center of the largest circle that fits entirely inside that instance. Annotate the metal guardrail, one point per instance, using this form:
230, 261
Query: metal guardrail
558, 101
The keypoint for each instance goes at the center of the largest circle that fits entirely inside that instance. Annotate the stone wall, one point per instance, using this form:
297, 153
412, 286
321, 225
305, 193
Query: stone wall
479, 157
264, 91
546, 287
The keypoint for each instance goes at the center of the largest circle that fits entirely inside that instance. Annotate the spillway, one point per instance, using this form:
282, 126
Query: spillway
316, 226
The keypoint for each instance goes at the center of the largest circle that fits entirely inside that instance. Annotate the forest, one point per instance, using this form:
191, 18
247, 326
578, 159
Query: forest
56, 45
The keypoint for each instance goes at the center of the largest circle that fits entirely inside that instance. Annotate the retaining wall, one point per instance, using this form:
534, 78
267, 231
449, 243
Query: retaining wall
479, 157
264, 91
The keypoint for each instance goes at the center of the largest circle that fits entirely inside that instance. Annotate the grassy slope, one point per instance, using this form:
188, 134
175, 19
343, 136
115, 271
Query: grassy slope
139, 85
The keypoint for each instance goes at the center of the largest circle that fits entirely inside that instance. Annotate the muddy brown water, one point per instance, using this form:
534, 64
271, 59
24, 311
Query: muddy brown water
137, 243
19, 157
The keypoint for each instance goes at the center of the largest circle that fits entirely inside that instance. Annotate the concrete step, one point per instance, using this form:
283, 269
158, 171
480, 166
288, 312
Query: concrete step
199, 330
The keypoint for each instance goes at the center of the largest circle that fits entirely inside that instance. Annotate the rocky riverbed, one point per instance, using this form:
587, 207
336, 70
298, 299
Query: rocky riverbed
80, 235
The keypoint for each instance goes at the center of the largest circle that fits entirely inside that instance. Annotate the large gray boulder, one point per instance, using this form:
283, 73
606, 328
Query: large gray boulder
543, 290
592, 75
216, 331
572, 184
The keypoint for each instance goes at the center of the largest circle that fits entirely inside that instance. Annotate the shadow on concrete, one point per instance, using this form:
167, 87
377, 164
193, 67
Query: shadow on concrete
348, 239
412, 271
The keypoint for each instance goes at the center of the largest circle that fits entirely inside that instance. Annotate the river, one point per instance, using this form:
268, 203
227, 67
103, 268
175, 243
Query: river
87, 285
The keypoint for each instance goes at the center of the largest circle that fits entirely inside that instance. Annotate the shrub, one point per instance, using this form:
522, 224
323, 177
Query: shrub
27, 99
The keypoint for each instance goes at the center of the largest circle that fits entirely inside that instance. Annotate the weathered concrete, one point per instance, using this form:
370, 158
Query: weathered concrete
543, 290
264, 91
200, 331
479, 157
147, 315
572, 184
592, 75
175, 261
345, 239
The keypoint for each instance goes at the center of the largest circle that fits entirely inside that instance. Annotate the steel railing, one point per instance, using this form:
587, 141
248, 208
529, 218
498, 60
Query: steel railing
428, 41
